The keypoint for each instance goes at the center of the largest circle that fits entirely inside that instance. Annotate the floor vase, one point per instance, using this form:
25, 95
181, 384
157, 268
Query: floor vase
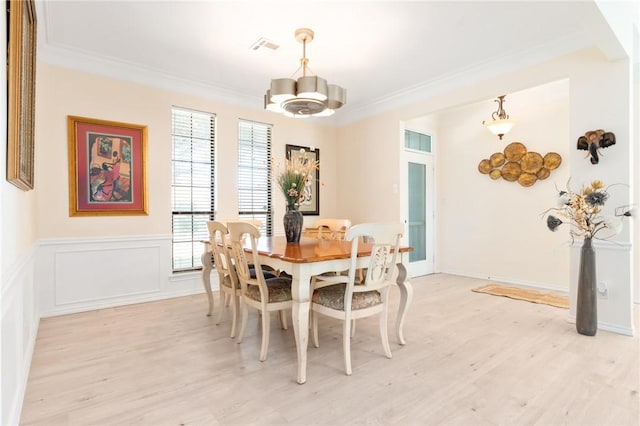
587, 306
292, 222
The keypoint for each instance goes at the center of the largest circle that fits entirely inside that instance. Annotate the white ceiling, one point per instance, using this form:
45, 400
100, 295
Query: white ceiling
384, 53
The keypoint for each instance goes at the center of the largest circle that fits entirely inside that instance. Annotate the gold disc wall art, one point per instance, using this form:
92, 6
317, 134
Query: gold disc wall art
514, 151
516, 164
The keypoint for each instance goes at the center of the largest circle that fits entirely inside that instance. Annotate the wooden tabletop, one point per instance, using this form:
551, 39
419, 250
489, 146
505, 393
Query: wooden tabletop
311, 249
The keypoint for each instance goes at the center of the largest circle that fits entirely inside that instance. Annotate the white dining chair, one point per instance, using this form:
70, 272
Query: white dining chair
331, 229
342, 297
268, 271
262, 294
229, 284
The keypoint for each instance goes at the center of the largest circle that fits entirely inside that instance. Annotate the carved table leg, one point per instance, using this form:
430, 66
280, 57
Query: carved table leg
300, 318
406, 294
207, 267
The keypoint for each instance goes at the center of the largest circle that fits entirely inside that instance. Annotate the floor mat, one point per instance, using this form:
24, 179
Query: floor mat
533, 296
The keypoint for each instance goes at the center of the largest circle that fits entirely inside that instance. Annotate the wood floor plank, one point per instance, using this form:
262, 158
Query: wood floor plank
470, 358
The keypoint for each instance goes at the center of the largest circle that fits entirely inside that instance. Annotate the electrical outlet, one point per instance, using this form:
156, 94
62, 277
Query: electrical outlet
603, 290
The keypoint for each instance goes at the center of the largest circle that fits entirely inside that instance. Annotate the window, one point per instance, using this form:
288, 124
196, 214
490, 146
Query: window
417, 141
254, 173
192, 184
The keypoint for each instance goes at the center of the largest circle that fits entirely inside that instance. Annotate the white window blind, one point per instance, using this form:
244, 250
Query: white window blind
254, 173
192, 186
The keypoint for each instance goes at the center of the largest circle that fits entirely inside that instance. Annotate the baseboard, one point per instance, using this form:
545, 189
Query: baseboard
510, 280
627, 331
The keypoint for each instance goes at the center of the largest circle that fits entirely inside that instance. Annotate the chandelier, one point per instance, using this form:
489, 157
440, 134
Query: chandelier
500, 125
310, 95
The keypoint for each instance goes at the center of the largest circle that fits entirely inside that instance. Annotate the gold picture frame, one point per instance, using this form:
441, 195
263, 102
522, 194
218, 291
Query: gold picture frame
21, 78
107, 168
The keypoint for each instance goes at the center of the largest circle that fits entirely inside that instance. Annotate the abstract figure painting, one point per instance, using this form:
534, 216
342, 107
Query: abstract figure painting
107, 168
309, 203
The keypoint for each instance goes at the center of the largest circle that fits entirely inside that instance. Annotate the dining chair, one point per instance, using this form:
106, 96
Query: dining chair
342, 297
262, 294
228, 280
268, 270
331, 229
255, 222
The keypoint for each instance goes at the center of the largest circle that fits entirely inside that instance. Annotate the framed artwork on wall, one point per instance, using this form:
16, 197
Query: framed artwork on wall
107, 168
21, 76
310, 203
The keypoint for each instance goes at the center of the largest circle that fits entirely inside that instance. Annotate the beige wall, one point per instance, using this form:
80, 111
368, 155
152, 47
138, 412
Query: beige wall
361, 161
18, 218
495, 229
599, 97
62, 92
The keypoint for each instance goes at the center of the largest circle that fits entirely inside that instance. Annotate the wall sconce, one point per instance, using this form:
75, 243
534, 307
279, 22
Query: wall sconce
500, 125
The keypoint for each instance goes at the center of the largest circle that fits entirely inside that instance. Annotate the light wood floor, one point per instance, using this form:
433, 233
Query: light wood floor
470, 359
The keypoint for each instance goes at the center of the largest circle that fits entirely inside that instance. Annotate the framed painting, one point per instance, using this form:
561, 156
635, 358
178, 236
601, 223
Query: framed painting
107, 168
310, 203
21, 77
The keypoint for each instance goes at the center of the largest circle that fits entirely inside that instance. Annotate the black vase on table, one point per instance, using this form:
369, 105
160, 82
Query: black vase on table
587, 306
292, 221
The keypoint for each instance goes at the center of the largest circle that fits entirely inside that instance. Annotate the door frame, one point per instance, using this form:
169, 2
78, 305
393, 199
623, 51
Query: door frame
428, 157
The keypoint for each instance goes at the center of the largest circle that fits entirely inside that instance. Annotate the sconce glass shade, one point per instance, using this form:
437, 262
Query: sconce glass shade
501, 124
499, 127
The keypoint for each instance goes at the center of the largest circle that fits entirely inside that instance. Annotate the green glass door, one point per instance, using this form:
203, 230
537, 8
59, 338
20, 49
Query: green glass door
417, 213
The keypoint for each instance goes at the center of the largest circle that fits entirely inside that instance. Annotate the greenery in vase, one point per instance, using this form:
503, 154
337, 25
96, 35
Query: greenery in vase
296, 175
583, 212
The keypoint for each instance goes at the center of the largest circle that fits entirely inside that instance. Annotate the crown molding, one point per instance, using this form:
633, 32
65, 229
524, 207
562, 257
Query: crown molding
509, 62
123, 70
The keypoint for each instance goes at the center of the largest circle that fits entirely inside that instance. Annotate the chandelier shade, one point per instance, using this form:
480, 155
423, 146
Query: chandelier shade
500, 127
309, 95
500, 124
282, 89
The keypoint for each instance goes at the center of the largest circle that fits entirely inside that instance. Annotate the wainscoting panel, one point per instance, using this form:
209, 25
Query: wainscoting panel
20, 321
80, 274
103, 273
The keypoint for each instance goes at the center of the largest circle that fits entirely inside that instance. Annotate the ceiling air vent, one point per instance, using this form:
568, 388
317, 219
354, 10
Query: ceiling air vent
264, 43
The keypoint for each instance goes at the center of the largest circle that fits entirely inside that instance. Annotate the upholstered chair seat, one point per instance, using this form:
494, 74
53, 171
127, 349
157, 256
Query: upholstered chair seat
333, 297
268, 273
226, 281
279, 290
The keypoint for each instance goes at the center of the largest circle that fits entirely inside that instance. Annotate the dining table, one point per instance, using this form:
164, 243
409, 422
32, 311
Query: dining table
311, 257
